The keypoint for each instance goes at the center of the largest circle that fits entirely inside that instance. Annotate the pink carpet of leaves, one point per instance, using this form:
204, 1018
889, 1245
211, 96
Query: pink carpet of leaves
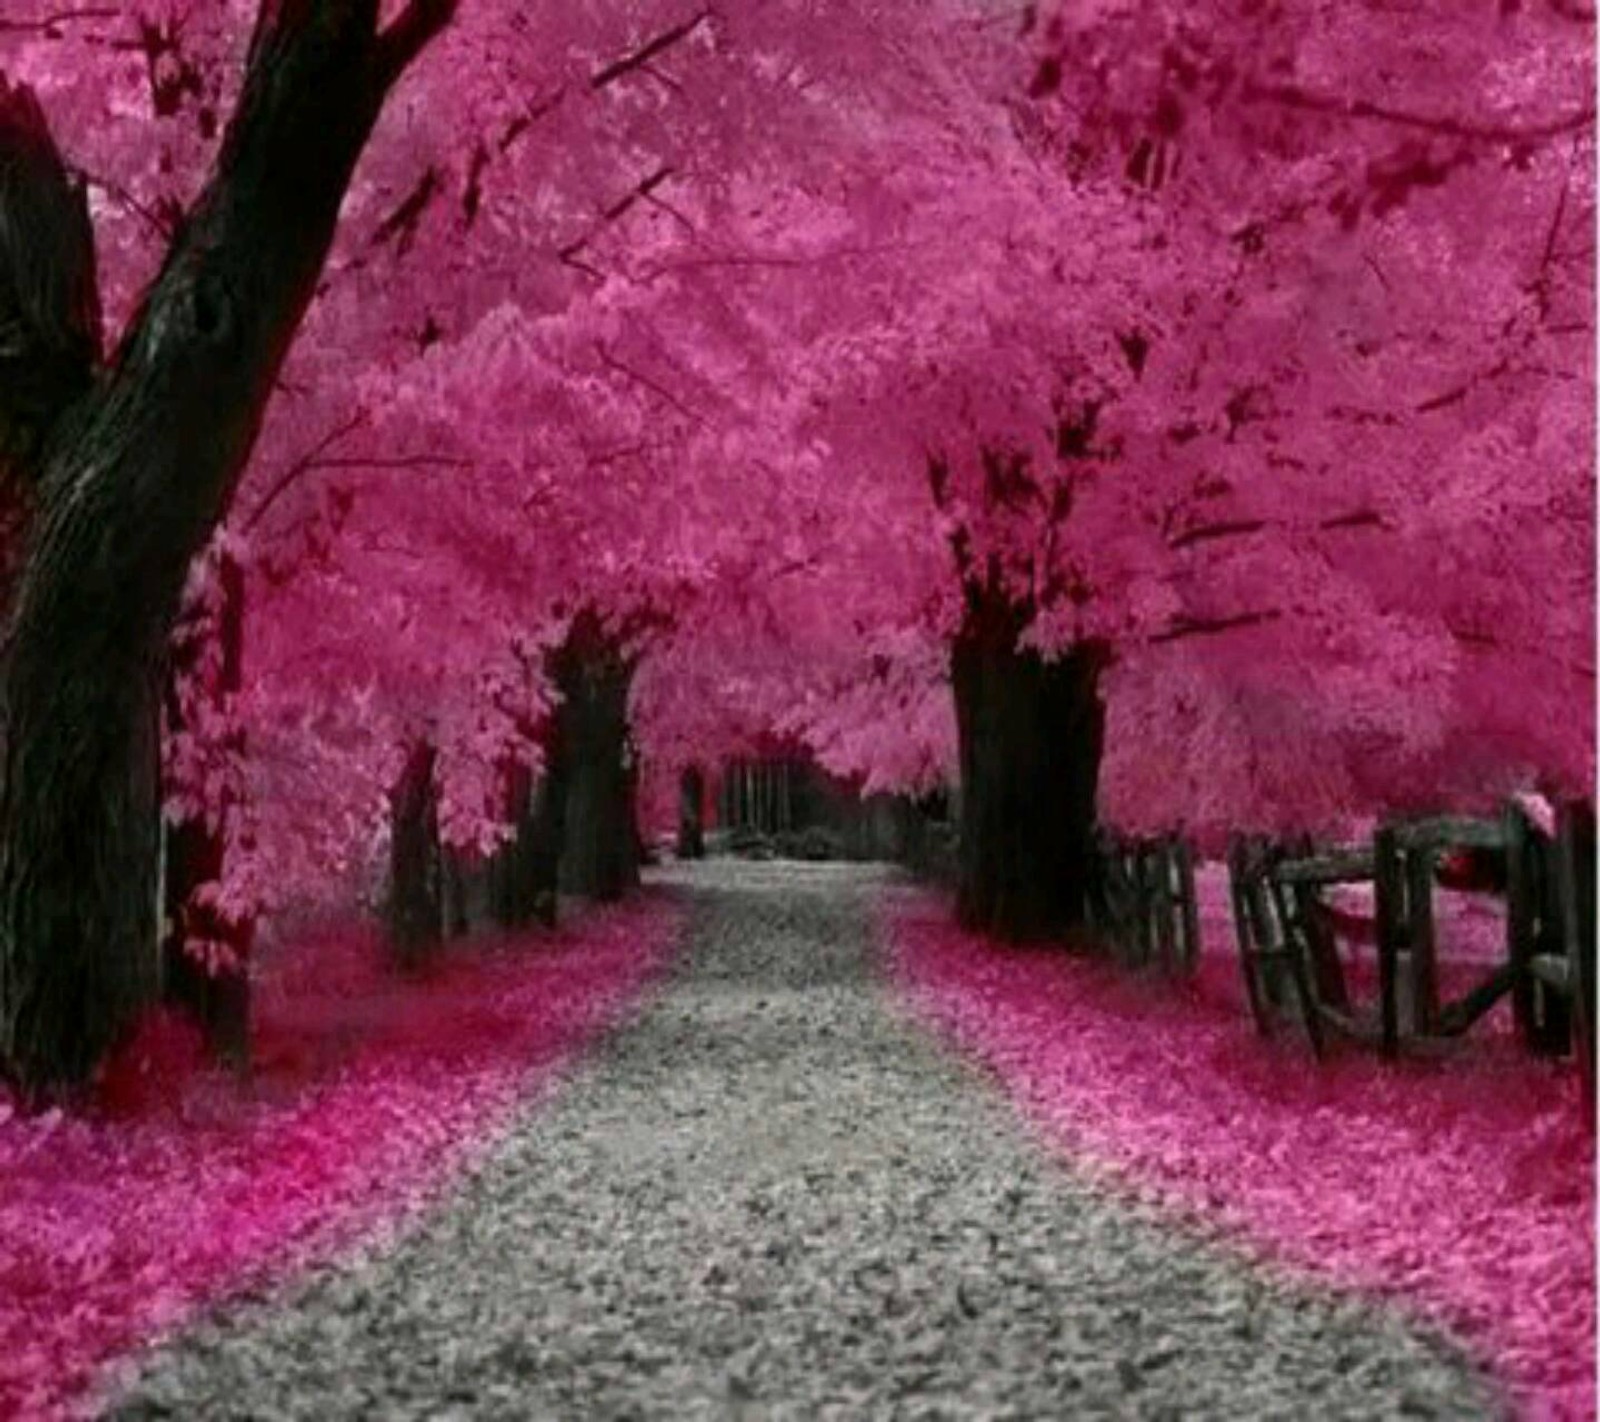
1461, 1188
370, 1094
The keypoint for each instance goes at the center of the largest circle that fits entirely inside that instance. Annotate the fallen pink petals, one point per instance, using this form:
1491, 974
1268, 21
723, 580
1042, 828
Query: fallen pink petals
1462, 1189
370, 1094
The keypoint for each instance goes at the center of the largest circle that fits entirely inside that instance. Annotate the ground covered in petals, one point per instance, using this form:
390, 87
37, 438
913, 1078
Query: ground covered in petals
1461, 1187
773, 1196
369, 1094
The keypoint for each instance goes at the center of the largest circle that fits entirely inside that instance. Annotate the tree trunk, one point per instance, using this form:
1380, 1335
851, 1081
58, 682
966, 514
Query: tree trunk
205, 952
691, 813
415, 904
456, 922
134, 469
1031, 734
599, 853
524, 871
642, 852
545, 836
511, 890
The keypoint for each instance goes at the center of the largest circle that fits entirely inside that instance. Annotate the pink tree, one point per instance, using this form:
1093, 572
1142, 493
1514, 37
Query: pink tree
128, 469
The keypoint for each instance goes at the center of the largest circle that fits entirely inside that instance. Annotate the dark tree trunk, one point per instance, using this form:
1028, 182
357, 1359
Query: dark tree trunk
524, 871
642, 852
1031, 734
415, 904
691, 813
215, 993
510, 901
599, 857
130, 471
546, 834
456, 923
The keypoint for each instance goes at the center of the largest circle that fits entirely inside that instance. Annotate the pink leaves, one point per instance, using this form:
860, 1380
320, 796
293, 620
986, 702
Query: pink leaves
1464, 1190
367, 1097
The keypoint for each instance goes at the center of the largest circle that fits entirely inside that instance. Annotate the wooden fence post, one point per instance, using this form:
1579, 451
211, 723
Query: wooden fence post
1189, 905
1520, 912
1238, 872
1424, 949
1164, 902
1575, 871
1389, 883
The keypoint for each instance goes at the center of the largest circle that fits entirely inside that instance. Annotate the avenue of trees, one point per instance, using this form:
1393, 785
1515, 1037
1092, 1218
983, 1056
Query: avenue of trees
429, 428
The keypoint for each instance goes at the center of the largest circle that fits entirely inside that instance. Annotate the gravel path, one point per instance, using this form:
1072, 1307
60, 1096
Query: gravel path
773, 1197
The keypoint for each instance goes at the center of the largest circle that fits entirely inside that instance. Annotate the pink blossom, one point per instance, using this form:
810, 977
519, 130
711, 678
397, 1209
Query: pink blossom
368, 1096
1462, 1189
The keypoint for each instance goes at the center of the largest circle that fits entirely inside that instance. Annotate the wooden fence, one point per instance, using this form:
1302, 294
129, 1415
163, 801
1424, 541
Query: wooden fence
1289, 933
1142, 900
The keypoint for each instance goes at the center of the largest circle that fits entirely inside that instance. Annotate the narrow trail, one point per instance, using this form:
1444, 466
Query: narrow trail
772, 1196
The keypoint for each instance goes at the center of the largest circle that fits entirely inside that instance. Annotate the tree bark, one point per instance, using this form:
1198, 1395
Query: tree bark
524, 871
1031, 734
130, 478
600, 850
510, 900
691, 813
415, 904
456, 921
547, 831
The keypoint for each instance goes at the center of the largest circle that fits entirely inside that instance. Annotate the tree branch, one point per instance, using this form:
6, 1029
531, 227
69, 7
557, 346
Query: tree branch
615, 213
157, 221
402, 222
645, 53
529, 116
1209, 532
1460, 392
1293, 97
49, 25
49, 292
301, 466
1361, 518
655, 387
1182, 627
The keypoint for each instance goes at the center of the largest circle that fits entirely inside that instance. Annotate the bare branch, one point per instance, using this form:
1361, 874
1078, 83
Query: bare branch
301, 466
49, 290
529, 116
402, 222
49, 25
1294, 97
664, 79
642, 189
1210, 532
1361, 518
1182, 627
158, 223
655, 387
1460, 392
645, 53
615, 213
671, 212
568, 256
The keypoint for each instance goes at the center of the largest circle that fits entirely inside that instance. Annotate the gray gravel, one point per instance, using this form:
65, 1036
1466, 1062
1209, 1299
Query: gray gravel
771, 1196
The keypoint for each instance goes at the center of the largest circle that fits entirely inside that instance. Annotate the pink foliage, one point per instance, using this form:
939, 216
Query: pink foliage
369, 1096
1262, 305
1462, 1189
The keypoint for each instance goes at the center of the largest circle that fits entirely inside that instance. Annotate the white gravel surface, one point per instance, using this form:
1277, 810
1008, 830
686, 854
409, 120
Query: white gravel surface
771, 1196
